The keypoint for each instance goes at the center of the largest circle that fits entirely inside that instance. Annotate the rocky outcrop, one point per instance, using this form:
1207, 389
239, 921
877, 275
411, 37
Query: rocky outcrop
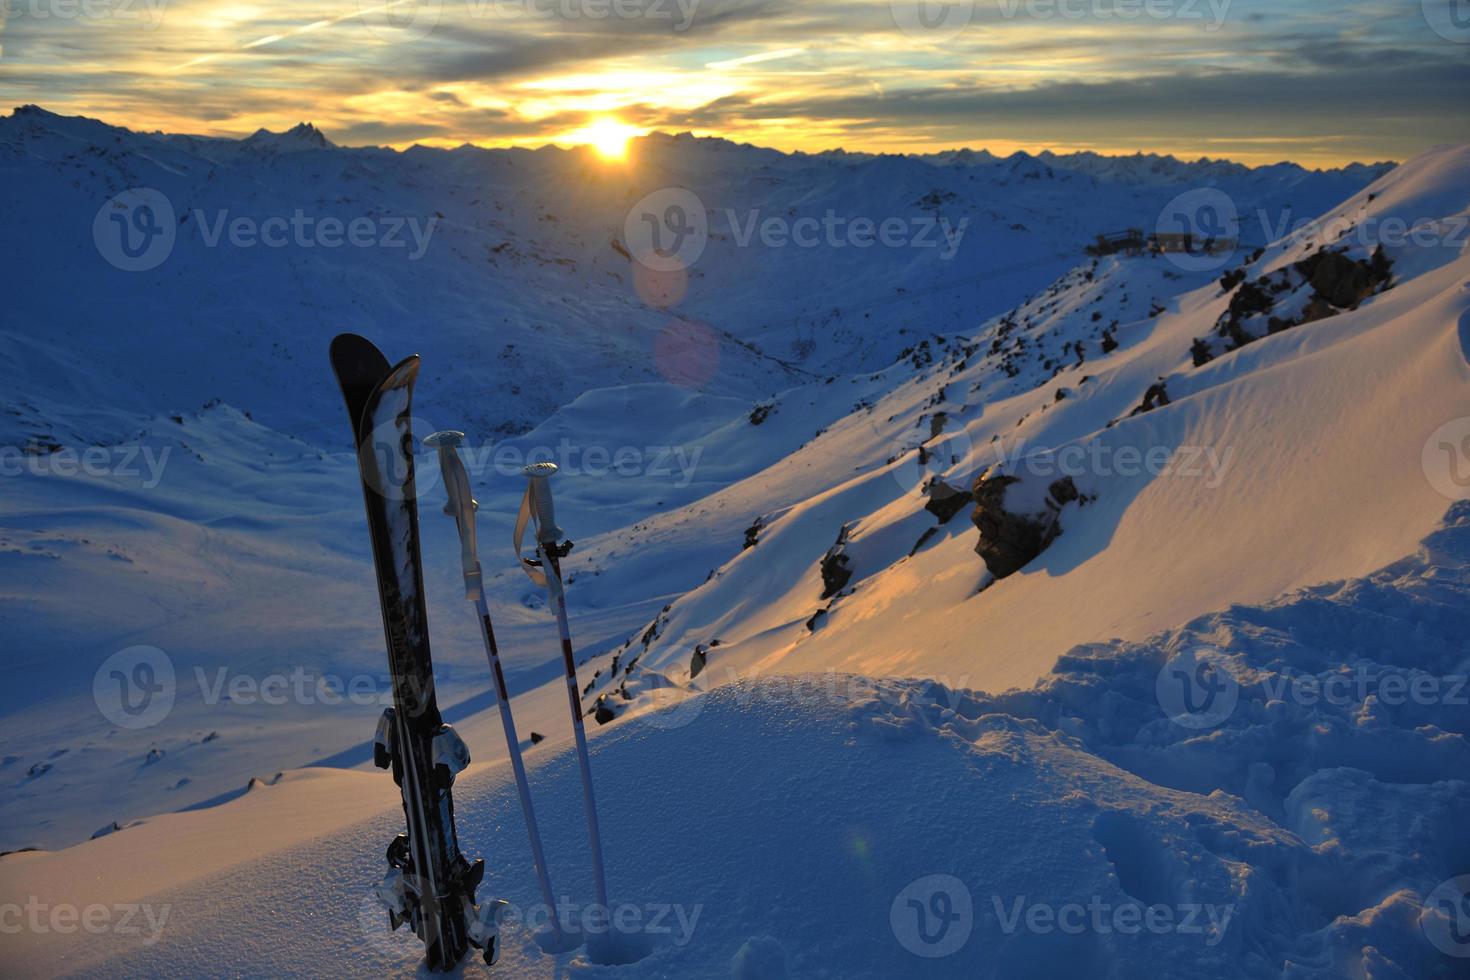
945, 501
603, 712
1016, 521
837, 567
1157, 396
1344, 282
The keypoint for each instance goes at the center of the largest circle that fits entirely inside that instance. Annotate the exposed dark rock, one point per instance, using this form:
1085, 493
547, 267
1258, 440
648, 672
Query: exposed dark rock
924, 538
1012, 533
602, 712
752, 534
537, 738
697, 661
1200, 352
945, 501
1345, 282
1063, 491
837, 567
1250, 299
1157, 396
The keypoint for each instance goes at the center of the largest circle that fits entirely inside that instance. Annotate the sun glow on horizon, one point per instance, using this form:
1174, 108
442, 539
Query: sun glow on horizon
609, 137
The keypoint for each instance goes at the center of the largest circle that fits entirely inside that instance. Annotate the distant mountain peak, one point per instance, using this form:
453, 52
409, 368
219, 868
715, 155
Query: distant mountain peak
302, 136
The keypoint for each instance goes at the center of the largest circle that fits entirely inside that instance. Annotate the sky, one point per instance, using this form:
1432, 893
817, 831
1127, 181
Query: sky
1320, 82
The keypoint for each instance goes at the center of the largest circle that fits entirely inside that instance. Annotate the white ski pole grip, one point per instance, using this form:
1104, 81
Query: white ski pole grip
539, 476
461, 505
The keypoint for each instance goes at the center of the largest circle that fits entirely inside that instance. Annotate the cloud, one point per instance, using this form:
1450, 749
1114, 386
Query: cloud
794, 74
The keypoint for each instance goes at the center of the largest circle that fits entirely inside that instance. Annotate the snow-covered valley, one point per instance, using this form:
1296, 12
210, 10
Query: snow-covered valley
778, 464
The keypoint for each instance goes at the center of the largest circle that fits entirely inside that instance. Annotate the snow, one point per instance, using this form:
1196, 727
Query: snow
928, 739
778, 825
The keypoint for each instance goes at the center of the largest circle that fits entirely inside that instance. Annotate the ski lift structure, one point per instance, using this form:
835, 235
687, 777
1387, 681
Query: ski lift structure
1134, 241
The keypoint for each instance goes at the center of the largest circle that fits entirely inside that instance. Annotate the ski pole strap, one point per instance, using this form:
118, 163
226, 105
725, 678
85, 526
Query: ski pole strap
461, 505
530, 566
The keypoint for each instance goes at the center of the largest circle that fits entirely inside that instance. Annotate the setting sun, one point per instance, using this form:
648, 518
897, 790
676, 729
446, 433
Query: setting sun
608, 137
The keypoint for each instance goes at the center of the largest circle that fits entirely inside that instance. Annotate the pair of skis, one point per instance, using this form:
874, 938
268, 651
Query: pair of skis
430, 885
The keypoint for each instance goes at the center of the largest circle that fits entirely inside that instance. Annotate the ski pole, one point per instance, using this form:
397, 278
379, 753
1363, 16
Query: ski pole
461, 507
547, 571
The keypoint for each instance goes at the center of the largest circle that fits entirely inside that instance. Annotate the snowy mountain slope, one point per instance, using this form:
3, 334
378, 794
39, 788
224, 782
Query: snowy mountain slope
505, 262
220, 523
1261, 484
1286, 837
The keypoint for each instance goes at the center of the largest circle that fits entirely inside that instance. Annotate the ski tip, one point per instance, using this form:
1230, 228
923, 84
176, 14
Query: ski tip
402, 375
350, 347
